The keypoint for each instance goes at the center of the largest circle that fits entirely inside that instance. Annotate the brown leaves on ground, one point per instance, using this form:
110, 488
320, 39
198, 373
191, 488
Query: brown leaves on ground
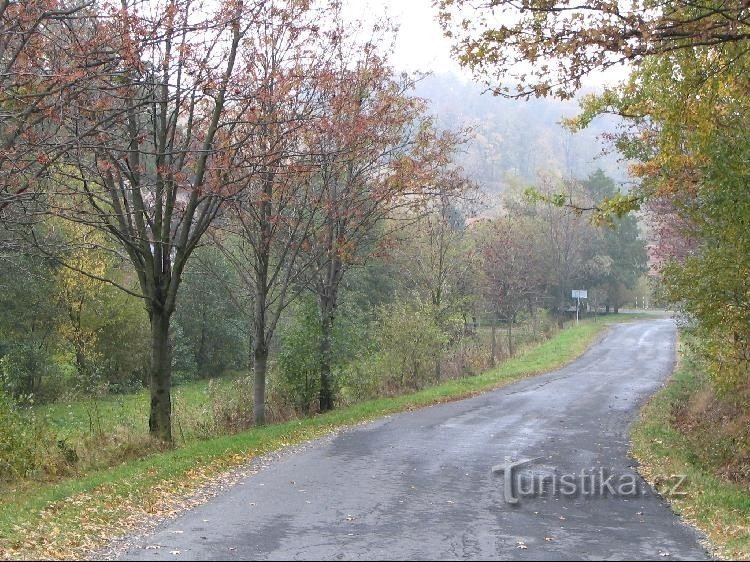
79, 525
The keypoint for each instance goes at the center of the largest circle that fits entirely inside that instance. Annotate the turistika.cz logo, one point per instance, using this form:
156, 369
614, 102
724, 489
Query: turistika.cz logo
519, 482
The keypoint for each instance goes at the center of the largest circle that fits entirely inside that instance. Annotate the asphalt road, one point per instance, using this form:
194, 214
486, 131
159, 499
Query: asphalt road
420, 485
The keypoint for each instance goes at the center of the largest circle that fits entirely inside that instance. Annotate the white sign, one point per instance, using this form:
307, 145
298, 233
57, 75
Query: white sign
580, 294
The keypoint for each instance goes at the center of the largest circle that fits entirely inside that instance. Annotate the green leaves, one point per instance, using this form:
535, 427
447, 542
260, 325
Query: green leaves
602, 213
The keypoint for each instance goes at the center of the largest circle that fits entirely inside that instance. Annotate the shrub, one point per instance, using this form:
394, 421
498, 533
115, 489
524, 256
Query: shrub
410, 342
17, 441
231, 405
25, 368
298, 373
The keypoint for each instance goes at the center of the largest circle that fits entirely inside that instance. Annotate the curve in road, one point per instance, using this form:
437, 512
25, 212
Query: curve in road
420, 485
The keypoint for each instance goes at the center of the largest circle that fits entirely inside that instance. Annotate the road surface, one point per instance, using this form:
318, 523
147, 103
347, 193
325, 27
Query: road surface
420, 485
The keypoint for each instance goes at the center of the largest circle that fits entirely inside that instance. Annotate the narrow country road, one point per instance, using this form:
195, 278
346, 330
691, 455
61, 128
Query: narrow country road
420, 485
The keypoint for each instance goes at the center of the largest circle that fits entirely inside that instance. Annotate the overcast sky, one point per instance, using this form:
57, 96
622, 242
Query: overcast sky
421, 44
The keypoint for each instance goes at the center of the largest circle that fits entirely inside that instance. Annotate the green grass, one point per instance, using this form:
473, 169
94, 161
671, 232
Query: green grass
69, 518
720, 509
73, 420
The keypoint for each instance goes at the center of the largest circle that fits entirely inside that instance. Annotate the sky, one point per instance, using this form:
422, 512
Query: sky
420, 44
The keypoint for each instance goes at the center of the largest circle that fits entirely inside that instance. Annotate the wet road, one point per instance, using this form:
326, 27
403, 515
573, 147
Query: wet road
420, 485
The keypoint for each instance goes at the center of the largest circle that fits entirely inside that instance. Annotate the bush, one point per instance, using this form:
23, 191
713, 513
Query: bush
717, 429
17, 441
25, 368
298, 374
231, 405
362, 379
410, 341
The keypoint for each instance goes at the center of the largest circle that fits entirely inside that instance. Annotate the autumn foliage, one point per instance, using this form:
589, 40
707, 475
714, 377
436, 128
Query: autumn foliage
274, 126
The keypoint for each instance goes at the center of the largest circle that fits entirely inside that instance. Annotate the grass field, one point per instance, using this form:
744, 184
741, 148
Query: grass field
68, 519
74, 419
719, 508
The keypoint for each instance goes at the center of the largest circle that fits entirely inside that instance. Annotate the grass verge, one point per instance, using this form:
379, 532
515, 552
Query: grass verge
69, 519
717, 507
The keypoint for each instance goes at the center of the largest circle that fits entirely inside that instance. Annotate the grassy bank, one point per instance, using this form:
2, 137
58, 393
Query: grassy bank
719, 508
69, 518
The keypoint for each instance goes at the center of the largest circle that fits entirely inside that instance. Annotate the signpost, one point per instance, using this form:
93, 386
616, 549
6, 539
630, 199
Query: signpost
579, 294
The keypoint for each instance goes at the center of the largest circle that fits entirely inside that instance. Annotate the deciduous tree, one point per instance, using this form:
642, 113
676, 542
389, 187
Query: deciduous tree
154, 150
377, 153
270, 224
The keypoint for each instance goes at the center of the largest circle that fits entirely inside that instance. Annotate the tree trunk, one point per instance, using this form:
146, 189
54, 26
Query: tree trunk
493, 345
510, 336
260, 367
160, 419
326, 334
201, 358
260, 348
81, 362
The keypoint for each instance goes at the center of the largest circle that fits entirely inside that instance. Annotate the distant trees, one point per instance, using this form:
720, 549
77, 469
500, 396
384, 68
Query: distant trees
28, 325
514, 276
570, 240
63, 334
621, 242
685, 108
608, 259
211, 324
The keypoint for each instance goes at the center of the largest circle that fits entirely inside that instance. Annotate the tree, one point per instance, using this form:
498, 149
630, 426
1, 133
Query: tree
513, 269
154, 173
619, 242
687, 111
548, 47
568, 239
435, 257
377, 154
270, 224
41, 69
